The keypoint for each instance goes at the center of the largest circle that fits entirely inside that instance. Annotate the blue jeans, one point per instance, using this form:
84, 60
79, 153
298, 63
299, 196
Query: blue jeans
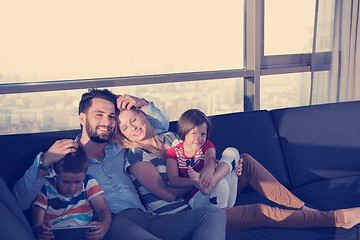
207, 222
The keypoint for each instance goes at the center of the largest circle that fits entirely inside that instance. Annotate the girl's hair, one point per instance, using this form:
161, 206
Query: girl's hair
190, 119
73, 162
120, 139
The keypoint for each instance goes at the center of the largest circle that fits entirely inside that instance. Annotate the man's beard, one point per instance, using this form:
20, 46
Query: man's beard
94, 136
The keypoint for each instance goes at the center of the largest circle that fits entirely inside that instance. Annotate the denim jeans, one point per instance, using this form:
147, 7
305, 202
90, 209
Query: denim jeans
201, 223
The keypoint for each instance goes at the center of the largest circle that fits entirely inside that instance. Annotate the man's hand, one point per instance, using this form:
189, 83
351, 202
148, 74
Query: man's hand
125, 101
59, 150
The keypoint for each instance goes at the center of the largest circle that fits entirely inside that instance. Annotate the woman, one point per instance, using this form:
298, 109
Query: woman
147, 167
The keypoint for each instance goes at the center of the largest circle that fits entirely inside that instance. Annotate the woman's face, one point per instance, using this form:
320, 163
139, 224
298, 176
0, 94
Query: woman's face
132, 125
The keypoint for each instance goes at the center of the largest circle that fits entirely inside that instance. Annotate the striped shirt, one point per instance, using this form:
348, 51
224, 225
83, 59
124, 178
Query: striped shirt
62, 211
150, 201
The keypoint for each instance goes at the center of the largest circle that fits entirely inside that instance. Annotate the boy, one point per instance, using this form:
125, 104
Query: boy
69, 198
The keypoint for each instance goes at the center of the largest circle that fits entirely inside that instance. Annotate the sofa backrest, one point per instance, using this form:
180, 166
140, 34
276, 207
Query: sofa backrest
20, 150
320, 141
254, 133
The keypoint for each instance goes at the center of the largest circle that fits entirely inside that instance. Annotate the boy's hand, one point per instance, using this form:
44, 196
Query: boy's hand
43, 232
125, 101
97, 232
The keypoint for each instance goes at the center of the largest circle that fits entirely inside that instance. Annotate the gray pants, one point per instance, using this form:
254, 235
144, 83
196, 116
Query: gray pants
202, 223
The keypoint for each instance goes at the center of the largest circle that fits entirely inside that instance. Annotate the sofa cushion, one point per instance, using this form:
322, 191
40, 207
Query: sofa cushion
253, 133
13, 224
331, 194
320, 142
321, 233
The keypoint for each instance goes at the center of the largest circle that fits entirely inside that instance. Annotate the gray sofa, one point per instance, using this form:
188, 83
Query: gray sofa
312, 150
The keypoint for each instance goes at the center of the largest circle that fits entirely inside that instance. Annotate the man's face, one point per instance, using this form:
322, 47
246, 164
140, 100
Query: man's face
100, 120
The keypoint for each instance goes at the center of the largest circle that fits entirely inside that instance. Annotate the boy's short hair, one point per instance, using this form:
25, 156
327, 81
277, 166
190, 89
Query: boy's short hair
86, 98
73, 162
190, 119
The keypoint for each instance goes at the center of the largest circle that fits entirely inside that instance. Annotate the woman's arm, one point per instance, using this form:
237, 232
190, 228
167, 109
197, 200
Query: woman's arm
173, 175
147, 174
102, 226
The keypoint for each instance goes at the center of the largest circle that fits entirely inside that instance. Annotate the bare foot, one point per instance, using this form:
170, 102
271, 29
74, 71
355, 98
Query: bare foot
351, 217
195, 177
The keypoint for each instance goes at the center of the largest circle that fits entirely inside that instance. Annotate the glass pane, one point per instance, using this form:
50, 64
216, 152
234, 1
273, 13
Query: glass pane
285, 90
61, 40
48, 111
289, 26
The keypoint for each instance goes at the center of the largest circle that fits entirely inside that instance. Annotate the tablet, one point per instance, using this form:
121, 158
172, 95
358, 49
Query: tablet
70, 233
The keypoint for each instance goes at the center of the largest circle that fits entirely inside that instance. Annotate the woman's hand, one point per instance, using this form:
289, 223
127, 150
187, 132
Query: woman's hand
43, 233
97, 232
125, 101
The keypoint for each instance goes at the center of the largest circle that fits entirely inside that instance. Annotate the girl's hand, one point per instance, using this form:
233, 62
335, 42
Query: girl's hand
43, 233
97, 232
205, 177
238, 168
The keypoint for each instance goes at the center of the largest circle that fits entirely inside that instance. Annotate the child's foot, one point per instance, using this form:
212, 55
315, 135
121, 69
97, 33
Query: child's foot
351, 217
195, 177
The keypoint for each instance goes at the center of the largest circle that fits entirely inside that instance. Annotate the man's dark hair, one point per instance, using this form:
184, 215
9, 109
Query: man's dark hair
74, 162
86, 98
190, 119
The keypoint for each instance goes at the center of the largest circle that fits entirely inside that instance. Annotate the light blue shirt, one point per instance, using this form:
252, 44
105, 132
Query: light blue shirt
120, 193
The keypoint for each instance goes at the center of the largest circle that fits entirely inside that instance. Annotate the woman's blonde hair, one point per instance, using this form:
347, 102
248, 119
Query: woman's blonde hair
119, 138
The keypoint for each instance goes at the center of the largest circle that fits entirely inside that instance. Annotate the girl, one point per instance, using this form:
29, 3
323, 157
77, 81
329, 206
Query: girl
193, 160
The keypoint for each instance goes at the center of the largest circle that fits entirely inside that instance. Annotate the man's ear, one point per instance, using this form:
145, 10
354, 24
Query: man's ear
82, 118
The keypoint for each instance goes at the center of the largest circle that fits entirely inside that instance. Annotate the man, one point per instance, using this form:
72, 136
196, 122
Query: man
97, 115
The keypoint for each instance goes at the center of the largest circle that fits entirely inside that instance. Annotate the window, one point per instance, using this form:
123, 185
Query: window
64, 40
187, 54
289, 26
285, 90
50, 111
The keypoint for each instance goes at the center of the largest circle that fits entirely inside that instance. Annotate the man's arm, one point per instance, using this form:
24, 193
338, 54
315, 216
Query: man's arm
29, 185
